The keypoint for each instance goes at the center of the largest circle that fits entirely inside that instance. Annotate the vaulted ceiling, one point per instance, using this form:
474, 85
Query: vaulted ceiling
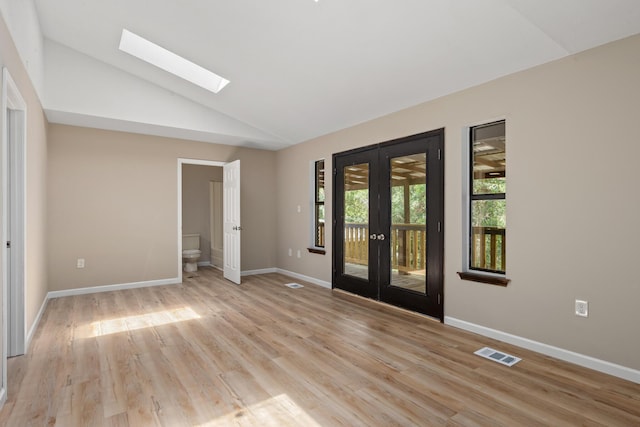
299, 69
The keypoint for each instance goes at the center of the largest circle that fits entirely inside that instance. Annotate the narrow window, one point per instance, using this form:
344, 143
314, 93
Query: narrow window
487, 194
319, 217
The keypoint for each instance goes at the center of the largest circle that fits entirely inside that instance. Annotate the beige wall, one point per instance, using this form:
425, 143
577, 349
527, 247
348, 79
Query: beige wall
36, 164
113, 200
573, 201
195, 203
294, 189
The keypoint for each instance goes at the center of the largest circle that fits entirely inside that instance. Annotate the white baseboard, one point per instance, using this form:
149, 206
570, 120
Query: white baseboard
261, 271
108, 288
288, 273
36, 322
305, 278
204, 264
549, 350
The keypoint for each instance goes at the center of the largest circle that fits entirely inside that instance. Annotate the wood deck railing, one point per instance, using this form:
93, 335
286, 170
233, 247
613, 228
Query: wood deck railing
356, 243
488, 248
320, 234
409, 247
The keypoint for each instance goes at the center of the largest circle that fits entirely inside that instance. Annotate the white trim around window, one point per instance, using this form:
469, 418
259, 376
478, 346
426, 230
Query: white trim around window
467, 273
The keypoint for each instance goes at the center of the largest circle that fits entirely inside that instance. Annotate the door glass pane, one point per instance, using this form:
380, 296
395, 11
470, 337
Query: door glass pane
409, 222
356, 220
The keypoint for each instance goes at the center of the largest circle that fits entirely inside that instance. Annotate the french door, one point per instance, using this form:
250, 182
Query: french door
388, 222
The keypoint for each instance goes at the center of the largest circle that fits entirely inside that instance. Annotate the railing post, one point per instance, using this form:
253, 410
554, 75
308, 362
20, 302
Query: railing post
414, 257
494, 250
394, 248
483, 249
503, 251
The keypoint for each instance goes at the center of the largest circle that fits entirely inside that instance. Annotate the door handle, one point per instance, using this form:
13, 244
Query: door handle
237, 227
373, 236
380, 236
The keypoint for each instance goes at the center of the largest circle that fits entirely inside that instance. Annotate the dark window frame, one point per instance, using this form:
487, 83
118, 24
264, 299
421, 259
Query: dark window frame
319, 168
480, 197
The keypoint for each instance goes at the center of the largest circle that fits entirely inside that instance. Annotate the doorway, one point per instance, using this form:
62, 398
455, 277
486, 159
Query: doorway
388, 222
231, 248
198, 209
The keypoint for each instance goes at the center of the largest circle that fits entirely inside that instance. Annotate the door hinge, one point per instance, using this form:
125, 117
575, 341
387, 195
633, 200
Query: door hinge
438, 299
439, 227
439, 154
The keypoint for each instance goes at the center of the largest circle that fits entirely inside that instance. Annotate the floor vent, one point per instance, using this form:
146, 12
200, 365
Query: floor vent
497, 356
294, 285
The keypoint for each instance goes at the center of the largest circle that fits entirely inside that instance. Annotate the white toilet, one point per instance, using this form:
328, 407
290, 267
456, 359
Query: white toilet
191, 252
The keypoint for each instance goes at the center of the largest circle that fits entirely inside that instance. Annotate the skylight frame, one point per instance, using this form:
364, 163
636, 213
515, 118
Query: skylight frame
170, 62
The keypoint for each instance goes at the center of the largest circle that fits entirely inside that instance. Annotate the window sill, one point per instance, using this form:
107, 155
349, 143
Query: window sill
484, 278
319, 251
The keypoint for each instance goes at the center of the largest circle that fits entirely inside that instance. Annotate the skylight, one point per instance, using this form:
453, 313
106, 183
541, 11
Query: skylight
156, 55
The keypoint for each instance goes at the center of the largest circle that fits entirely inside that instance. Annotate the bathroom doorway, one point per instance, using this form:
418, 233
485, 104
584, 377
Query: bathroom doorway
203, 190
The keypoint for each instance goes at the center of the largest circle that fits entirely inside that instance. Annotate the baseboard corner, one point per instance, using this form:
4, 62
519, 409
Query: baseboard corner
35, 324
259, 271
3, 396
309, 279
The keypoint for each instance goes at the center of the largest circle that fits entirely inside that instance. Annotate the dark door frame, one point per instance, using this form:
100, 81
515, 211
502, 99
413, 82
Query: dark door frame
377, 286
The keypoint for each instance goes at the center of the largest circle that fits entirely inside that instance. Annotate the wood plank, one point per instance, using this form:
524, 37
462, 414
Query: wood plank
208, 352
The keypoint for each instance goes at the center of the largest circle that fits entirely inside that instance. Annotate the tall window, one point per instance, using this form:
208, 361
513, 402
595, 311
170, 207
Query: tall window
319, 204
487, 193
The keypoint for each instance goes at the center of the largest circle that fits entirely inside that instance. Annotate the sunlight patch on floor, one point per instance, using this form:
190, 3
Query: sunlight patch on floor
132, 323
279, 410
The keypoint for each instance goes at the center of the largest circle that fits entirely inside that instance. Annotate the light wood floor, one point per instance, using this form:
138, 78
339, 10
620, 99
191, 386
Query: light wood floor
208, 352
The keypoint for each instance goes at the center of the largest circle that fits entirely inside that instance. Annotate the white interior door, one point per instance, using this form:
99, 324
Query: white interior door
215, 223
231, 219
13, 210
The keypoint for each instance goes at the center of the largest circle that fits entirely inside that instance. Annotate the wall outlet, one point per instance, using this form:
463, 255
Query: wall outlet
80, 263
299, 209
582, 308
298, 254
